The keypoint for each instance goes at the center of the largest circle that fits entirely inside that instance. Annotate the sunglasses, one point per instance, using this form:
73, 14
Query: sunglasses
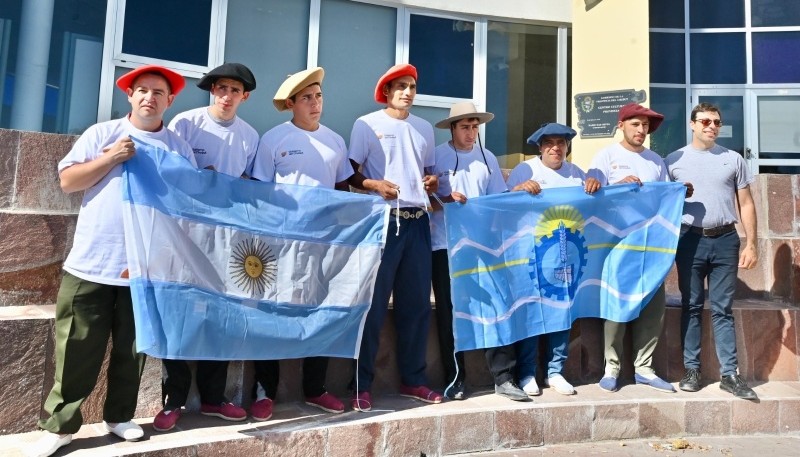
707, 122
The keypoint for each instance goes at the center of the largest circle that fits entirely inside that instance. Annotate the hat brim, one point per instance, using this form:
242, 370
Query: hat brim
294, 84
482, 119
397, 71
176, 81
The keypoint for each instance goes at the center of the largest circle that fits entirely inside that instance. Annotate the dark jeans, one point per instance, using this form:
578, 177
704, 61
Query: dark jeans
501, 361
453, 362
556, 351
267, 373
716, 258
404, 273
212, 376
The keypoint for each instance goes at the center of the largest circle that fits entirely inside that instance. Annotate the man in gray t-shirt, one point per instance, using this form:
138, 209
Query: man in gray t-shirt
709, 245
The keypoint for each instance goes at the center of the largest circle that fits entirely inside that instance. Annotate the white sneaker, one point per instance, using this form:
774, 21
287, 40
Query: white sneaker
48, 444
560, 385
128, 431
529, 386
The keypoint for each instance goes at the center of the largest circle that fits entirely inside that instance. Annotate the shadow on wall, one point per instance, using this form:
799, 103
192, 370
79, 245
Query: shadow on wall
591, 3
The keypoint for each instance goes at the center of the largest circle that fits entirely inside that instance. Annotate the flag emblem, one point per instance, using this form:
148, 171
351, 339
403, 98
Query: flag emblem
253, 267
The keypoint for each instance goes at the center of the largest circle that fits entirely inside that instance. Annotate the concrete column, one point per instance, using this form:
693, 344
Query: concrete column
33, 54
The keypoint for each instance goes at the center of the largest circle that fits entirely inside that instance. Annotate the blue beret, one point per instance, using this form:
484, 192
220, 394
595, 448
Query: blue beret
553, 129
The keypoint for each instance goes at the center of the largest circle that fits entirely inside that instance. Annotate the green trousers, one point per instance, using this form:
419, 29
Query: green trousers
645, 331
86, 314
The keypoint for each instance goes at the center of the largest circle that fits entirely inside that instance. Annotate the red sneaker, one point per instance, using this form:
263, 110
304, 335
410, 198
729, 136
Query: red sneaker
326, 402
261, 410
166, 419
421, 393
361, 402
227, 411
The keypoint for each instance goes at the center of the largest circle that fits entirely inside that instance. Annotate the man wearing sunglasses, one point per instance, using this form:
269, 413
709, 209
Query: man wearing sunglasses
709, 245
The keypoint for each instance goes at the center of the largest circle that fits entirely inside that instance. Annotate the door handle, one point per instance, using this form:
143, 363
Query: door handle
748, 153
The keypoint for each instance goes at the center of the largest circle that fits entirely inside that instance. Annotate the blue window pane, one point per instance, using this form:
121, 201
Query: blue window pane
704, 14
168, 30
774, 13
667, 58
666, 14
718, 58
434, 41
776, 57
671, 135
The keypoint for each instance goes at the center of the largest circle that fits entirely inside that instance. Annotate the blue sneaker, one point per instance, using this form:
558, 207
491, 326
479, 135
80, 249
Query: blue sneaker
608, 383
655, 382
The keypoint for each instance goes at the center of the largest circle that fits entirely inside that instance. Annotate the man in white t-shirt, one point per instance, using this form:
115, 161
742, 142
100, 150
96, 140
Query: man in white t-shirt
549, 170
465, 170
300, 151
394, 150
630, 162
224, 142
94, 300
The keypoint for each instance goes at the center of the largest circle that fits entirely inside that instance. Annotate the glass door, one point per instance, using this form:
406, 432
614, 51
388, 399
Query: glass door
731, 103
774, 126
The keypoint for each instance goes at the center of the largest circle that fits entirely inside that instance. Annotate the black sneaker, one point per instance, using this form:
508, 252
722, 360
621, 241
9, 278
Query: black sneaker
511, 391
456, 391
690, 381
736, 385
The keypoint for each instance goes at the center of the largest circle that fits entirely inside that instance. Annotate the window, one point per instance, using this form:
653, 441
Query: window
706, 14
718, 58
667, 58
776, 57
671, 135
774, 13
666, 14
521, 84
443, 51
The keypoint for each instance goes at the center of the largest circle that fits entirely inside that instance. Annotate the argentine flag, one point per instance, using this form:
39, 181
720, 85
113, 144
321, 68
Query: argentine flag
535, 263
223, 268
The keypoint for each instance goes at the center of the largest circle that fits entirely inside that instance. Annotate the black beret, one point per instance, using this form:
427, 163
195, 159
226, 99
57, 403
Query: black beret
235, 71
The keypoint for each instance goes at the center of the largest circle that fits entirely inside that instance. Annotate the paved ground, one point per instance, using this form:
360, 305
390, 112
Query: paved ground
727, 446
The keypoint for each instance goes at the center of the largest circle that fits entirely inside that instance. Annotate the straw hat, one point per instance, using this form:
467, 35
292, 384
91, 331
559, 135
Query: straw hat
464, 110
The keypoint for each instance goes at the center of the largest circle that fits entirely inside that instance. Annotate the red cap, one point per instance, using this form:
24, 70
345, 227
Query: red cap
176, 81
397, 71
634, 109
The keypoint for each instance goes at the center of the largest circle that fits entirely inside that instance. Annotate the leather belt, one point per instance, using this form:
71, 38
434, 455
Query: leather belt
408, 213
713, 231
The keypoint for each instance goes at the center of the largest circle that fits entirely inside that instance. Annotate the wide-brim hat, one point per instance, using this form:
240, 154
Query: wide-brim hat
552, 129
397, 71
176, 81
235, 71
295, 83
634, 109
464, 110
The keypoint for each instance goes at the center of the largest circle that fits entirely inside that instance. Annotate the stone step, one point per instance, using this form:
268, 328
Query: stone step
399, 426
767, 339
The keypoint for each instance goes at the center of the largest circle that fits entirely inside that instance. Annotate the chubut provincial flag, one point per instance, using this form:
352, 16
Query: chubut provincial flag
532, 264
223, 268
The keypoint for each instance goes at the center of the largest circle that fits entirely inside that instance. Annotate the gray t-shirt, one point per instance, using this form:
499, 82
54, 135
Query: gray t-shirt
716, 175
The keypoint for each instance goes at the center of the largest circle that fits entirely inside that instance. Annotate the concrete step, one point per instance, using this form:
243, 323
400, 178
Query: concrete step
485, 422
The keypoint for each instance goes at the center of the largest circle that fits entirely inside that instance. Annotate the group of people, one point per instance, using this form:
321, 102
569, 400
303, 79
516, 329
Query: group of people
391, 154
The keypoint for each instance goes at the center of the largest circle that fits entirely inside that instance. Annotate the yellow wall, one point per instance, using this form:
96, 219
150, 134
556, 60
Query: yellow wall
610, 51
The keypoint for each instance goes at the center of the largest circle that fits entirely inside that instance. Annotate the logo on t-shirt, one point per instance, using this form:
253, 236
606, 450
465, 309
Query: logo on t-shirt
293, 152
199, 151
621, 167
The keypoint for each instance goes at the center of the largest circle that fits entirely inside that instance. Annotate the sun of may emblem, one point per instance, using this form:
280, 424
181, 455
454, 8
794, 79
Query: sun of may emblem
559, 253
252, 266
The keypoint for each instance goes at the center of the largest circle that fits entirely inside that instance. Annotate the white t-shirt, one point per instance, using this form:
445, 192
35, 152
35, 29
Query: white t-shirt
229, 149
98, 250
472, 178
290, 155
534, 170
614, 163
395, 150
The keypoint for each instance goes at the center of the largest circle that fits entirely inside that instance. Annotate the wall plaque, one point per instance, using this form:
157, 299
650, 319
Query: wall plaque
597, 111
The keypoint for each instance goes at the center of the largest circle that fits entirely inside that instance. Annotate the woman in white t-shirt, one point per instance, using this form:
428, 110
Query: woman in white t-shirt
549, 170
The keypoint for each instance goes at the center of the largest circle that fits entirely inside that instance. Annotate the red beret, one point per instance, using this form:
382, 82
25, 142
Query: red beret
634, 109
176, 81
397, 71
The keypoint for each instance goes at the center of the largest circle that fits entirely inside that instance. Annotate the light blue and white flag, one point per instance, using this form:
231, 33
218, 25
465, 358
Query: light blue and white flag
223, 268
524, 265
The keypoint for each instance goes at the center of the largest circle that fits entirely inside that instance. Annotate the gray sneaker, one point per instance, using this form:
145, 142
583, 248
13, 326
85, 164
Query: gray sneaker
511, 391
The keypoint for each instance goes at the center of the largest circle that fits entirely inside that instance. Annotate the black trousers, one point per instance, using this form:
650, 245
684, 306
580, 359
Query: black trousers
453, 366
502, 362
267, 373
212, 376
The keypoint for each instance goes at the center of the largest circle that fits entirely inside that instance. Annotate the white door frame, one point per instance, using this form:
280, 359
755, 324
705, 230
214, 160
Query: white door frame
752, 125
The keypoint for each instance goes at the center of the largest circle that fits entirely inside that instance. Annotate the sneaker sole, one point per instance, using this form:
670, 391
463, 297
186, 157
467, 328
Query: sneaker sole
688, 388
163, 429
433, 402
363, 410
262, 419
660, 389
330, 410
222, 416
743, 397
